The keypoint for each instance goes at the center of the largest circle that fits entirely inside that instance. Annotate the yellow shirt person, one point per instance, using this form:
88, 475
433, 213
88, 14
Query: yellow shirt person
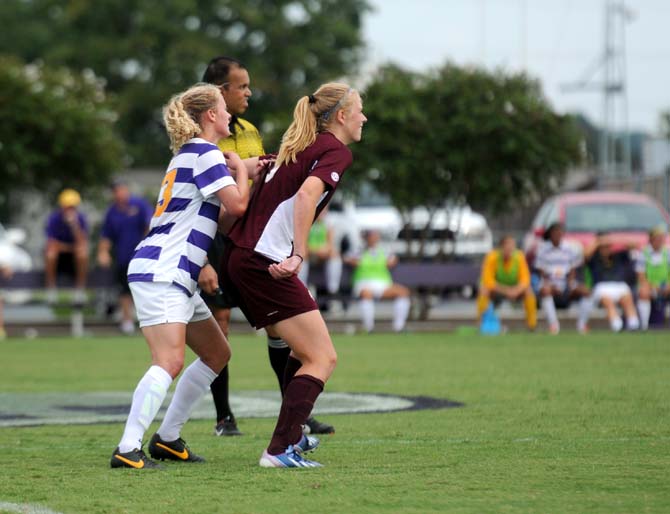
505, 274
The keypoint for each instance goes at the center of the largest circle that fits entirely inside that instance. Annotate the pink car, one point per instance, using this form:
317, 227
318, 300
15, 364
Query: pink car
628, 217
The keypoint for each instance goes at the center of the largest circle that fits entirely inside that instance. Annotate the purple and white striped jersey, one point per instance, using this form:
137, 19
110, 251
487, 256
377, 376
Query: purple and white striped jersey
185, 221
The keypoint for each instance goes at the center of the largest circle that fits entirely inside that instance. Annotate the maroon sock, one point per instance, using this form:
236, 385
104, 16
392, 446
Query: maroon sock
292, 367
299, 398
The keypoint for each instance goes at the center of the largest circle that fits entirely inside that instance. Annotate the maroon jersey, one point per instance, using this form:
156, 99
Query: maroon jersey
267, 225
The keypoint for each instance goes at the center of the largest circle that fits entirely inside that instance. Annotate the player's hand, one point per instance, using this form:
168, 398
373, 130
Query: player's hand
265, 163
208, 280
234, 162
286, 268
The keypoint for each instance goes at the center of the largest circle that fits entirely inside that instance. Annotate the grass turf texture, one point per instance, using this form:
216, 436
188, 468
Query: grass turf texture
551, 424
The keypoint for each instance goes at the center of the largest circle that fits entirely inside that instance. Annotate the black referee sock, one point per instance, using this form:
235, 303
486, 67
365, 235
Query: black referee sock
219, 389
278, 359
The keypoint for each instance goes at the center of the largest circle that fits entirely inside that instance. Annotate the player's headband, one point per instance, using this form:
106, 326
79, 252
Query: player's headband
325, 115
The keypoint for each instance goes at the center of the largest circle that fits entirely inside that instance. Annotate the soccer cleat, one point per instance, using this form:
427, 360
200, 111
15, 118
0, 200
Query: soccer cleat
135, 459
307, 443
172, 450
227, 427
313, 426
291, 458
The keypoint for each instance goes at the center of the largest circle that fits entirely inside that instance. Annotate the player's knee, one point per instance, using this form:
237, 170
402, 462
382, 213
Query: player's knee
173, 366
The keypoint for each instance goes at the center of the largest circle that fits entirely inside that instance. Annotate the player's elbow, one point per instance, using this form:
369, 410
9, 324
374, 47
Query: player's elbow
238, 207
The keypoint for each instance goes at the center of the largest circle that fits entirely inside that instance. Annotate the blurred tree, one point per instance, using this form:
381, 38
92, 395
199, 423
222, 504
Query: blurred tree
56, 130
462, 135
147, 50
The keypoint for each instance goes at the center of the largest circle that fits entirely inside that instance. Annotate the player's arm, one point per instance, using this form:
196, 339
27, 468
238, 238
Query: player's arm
304, 208
235, 199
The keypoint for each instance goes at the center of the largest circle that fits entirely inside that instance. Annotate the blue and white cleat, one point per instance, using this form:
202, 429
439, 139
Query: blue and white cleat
291, 458
307, 443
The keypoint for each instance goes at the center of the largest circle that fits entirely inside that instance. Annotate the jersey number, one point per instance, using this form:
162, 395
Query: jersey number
165, 193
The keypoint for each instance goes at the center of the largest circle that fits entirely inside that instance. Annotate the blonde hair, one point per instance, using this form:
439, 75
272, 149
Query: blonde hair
182, 113
313, 114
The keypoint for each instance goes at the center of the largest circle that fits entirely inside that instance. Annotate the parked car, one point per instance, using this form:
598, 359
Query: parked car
454, 230
627, 216
11, 254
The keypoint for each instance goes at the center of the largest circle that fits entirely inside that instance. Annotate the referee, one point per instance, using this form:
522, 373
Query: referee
245, 140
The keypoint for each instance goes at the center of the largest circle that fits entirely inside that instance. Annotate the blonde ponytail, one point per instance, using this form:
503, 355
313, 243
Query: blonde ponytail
312, 114
182, 113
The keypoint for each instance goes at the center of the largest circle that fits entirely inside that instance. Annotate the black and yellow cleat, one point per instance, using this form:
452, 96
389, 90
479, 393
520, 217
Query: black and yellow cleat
135, 459
172, 450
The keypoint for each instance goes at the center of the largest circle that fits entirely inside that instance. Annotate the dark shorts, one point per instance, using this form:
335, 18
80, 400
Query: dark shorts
121, 278
222, 299
263, 300
65, 264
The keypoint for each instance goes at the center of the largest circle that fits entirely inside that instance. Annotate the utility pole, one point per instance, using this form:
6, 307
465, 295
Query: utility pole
612, 64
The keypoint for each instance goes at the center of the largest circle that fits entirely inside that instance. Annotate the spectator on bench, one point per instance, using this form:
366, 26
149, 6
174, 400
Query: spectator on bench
67, 245
653, 274
557, 262
126, 223
610, 272
372, 280
505, 274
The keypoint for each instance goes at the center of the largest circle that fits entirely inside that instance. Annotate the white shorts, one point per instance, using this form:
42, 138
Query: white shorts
161, 302
376, 286
613, 290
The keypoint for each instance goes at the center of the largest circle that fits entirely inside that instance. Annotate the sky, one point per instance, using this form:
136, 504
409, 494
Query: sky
555, 41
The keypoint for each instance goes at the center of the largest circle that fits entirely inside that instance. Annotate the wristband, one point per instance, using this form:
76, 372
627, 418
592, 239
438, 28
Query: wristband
299, 256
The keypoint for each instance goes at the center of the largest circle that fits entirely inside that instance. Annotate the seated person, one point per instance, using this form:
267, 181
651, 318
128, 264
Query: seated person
372, 280
610, 271
557, 263
505, 274
67, 245
322, 251
653, 274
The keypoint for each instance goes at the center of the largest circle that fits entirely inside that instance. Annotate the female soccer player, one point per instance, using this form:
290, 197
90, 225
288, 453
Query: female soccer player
164, 270
269, 246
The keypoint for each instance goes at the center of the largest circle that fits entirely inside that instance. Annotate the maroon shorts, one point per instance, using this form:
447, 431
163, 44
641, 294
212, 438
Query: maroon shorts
263, 299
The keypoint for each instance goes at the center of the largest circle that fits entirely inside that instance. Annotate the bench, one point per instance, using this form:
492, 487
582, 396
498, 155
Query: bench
423, 278
98, 279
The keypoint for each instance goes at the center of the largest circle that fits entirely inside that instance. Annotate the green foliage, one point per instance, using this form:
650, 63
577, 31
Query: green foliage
459, 135
564, 423
56, 129
147, 50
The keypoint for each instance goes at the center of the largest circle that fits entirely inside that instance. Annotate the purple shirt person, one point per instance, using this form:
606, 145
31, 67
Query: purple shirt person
126, 223
67, 245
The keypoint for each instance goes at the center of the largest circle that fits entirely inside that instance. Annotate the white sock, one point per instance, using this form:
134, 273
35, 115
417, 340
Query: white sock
192, 386
616, 324
644, 308
585, 305
400, 313
549, 308
333, 274
633, 323
147, 399
367, 307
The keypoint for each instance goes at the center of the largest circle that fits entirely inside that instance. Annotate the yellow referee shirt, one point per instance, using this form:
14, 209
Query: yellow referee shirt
245, 141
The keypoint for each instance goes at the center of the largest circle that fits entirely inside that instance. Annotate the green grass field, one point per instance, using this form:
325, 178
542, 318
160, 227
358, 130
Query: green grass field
550, 424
